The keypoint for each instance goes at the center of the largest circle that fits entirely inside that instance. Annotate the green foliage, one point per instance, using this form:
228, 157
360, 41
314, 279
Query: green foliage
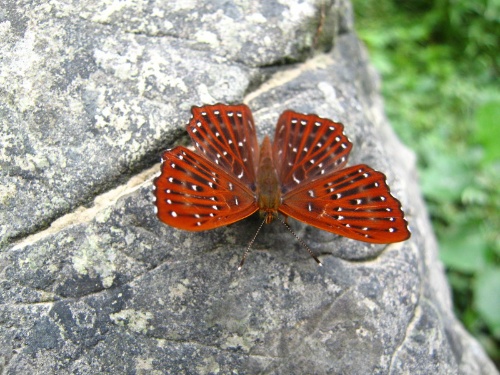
439, 62
488, 131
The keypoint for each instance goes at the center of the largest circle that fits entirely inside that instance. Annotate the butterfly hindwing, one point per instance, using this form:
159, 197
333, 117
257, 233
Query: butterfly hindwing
194, 194
354, 202
225, 135
307, 147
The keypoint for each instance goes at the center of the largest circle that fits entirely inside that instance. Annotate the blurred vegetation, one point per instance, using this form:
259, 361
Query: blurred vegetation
439, 61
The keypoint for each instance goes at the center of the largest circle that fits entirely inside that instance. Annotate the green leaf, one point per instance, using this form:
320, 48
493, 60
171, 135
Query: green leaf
465, 251
487, 298
487, 130
445, 178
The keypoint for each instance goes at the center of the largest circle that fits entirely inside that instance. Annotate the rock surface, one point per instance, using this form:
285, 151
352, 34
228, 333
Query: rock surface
90, 92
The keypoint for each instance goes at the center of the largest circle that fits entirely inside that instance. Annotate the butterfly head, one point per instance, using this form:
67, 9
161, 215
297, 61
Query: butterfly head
269, 215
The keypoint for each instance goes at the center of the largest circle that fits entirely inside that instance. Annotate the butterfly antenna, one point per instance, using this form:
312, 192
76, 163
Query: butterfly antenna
301, 242
250, 245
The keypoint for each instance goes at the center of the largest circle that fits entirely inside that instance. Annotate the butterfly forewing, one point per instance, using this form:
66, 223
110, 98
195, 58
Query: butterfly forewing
354, 202
226, 135
306, 147
194, 194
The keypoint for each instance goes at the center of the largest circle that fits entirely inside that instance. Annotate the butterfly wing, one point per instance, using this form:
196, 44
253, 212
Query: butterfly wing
307, 147
225, 134
354, 202
194, 194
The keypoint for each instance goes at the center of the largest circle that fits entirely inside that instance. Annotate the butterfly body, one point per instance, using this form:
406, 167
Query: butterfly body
267, 189
300, 174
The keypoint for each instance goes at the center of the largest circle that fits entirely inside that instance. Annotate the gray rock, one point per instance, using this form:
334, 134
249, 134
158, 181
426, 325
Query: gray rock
90, 92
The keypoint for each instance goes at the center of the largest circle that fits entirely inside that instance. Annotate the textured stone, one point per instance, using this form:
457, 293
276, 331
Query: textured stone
90, 92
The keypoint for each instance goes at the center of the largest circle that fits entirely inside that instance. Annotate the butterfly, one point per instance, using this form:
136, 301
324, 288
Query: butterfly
301, 174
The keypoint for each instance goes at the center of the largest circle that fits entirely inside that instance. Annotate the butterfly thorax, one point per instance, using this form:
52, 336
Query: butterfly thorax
268, 186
